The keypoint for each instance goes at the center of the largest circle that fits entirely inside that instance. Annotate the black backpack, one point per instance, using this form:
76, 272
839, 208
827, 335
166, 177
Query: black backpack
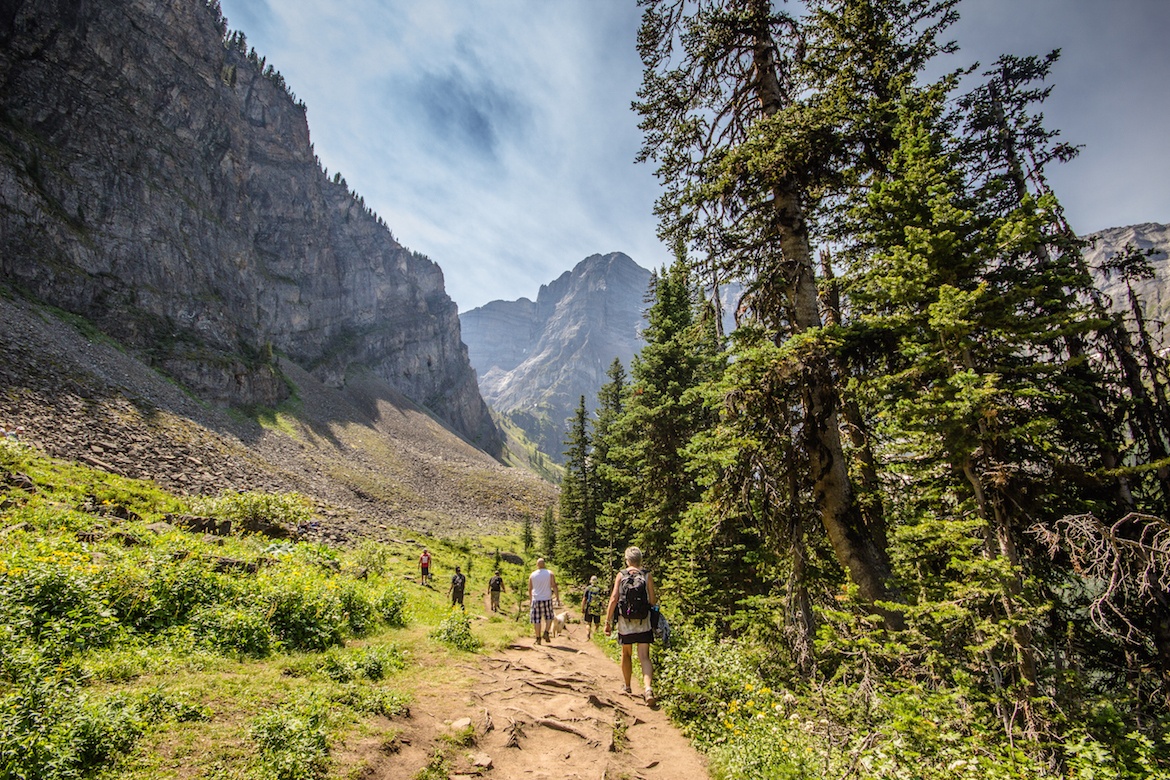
633, 600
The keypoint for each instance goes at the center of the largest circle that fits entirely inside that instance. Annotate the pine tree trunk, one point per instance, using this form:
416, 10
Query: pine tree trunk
854, 548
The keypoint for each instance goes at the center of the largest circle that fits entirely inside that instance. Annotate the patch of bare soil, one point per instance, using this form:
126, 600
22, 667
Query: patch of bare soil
538, 712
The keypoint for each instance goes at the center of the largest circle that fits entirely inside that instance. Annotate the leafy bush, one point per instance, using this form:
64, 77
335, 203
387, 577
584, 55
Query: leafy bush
374, 701
360, 612
230, 629
259, 511
51, 730
372, 663
455, 631
391, 605
303, 612
293, 744
49, 596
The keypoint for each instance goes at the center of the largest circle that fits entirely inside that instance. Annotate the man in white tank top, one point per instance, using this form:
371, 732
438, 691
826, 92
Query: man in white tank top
542, 586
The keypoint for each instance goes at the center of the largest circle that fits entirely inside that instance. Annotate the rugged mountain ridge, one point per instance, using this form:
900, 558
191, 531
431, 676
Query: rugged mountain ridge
535, 359
158, 181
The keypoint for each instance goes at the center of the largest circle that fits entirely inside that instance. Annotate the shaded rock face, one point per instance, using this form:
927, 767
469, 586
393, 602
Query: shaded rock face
156, 182
1154, 293
536, 359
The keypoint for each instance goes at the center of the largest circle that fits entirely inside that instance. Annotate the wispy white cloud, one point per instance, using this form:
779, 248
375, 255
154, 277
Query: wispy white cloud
496, 136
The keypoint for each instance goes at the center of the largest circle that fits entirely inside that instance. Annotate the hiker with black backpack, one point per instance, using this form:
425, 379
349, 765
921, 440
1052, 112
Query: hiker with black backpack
630, 601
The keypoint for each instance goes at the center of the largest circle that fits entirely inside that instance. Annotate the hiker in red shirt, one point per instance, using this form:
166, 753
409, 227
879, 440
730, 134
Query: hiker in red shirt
424, 565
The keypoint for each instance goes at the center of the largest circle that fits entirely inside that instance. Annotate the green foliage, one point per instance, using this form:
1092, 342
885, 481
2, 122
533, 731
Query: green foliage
390, 605
232, 630
548, 534
52, 730
254, 511
455, 631
360, 610
343, 666
304, 612
526, 537
293, 743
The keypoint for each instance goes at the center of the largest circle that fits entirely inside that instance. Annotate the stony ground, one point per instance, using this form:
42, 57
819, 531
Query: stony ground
550, 712
370, 458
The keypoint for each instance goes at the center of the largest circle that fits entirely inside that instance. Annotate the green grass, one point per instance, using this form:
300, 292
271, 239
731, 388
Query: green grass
133, 653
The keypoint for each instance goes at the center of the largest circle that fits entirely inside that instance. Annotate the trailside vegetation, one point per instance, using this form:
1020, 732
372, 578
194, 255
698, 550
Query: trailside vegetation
132, 639
910, 517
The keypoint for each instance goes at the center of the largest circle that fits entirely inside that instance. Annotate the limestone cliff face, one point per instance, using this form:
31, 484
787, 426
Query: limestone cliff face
536, 360
1154, 293
154, 180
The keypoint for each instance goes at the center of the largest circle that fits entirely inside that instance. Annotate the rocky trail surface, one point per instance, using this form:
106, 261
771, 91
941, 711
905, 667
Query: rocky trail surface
542, 712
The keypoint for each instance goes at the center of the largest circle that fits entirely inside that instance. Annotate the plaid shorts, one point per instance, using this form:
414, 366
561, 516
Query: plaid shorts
541, 610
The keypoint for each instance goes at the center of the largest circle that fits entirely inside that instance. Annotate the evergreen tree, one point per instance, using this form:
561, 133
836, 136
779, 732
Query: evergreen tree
613, 535
526, 536
576, 537
749, 133
659, 417
548, 534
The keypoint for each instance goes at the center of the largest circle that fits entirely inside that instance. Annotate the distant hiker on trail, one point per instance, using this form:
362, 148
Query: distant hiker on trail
542, 586
631, 599
458, 582
424, 566
591, 606
495, 588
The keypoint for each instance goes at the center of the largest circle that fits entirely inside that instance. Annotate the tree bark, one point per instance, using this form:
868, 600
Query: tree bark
833, 495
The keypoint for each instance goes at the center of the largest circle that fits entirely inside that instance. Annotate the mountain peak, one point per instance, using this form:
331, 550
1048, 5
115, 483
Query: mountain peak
541, 358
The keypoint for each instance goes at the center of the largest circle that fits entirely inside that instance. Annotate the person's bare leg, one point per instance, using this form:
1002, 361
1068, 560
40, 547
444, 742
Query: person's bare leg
647, 668
627, 665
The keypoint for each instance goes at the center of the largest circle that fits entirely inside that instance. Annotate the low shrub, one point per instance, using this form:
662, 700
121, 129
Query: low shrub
455, 631
292, 742
371, 663
233, 630
49, 596
52, 730
391, 605
303, 612
359, 609
273, 514
373, 701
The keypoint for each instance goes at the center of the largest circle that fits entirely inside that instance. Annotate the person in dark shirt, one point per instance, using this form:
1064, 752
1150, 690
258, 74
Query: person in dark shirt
495, 588
458, 583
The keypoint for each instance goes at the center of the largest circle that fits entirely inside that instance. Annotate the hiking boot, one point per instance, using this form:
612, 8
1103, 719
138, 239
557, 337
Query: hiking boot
538, 640
626, 689
650, 700
546, 637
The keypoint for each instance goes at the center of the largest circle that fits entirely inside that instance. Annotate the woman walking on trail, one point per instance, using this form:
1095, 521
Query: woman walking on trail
631, 599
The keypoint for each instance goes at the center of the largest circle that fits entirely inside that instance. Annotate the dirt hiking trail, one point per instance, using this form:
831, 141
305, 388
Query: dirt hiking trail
554, 711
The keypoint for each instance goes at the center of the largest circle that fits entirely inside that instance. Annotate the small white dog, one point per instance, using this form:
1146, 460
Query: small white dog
560, 624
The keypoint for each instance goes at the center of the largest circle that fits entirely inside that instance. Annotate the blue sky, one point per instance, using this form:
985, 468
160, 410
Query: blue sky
495, 136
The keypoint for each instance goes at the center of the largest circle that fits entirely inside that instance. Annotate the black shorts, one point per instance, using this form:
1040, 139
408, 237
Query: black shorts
644, 638
594, 619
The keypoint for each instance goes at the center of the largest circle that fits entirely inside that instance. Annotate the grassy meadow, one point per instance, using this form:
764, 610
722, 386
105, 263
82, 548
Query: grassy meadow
133, 648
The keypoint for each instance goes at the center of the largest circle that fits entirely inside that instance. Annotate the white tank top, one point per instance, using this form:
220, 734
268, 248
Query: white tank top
541, 580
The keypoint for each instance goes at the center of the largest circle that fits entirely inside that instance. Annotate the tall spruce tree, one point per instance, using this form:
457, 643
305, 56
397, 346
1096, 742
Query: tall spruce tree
613, 535
548, 534
576, 538
658, 420
749, 134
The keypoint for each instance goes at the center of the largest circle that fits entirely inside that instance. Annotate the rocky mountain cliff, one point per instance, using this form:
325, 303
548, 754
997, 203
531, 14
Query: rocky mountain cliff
536, 359
373, 463
1153, 292
157, 180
